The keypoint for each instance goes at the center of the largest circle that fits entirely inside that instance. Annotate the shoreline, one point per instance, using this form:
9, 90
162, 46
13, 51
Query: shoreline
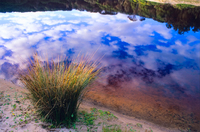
11, 89
173, 2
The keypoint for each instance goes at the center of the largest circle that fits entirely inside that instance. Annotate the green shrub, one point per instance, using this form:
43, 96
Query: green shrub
111, 128
56, 89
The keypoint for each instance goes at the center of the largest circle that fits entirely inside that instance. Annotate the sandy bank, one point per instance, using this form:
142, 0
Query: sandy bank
14, 118
174, 2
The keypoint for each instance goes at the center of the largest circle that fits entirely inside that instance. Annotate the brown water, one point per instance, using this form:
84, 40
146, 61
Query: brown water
152, 95
168, 106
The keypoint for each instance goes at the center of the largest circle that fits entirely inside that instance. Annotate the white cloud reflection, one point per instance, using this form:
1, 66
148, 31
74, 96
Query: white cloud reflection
55, 33
9, 31
51, 22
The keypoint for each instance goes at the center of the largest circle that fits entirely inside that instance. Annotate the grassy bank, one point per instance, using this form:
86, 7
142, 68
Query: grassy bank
18, 114
56, 88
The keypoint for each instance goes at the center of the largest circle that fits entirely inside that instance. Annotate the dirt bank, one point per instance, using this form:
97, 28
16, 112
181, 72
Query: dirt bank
174, 2
10, 122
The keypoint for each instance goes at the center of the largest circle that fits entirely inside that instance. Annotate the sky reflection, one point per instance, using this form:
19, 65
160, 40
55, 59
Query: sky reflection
148, 46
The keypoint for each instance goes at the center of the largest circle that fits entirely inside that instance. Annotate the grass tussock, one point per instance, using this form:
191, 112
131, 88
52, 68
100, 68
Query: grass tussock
56, 89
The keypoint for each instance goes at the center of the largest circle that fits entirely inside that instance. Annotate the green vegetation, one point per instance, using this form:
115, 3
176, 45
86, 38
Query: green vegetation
20, 113
56, 89
88, 118
184, 6
18, 110
96, 118
1, 95
111, 128
139, 125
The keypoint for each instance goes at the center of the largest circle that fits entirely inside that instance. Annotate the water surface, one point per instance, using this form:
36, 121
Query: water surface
150, 71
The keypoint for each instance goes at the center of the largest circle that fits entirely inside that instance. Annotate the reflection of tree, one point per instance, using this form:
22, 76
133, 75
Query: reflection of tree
181, 18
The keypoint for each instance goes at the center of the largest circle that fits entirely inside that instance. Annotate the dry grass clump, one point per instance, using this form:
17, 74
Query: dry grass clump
56, 89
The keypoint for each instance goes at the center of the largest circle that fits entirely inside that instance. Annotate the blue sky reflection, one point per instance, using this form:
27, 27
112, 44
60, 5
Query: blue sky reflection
143, 44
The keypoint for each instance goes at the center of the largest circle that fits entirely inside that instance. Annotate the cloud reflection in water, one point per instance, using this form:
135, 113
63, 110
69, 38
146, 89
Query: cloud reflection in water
145, 49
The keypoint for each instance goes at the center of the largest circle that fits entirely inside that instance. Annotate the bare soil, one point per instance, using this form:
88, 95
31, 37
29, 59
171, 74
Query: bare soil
17, 118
